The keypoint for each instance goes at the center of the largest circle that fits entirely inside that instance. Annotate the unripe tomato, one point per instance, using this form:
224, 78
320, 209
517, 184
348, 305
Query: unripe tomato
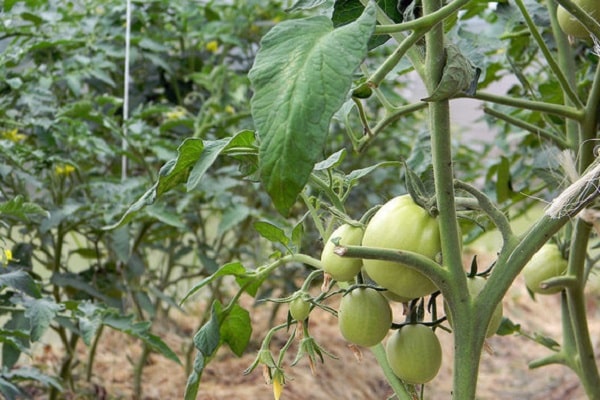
414, 353
475, 285
299, 308
364, 317
342, 268
571, 25
402, 225
547, 263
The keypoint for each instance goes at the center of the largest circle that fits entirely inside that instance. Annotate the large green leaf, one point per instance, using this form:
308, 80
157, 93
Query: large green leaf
301, 77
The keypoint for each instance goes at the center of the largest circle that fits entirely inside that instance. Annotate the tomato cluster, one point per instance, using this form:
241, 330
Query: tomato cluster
365, 318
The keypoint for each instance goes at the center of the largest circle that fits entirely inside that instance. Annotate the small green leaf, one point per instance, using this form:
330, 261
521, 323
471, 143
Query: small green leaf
170, 175
208, 338
233, 268
34, 374
357, 174
332, 161
89, 321
40, 313
20, 280
212, 149
236, 329
271, 232
301, 76
508, 327
19, 208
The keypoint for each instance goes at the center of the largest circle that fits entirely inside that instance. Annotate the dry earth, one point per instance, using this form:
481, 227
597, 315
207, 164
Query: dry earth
504, 371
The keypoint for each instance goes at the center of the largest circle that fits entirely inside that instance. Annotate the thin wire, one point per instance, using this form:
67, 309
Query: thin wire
126, 89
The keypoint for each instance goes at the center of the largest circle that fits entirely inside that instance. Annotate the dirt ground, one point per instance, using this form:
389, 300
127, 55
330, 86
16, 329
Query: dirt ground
504, 372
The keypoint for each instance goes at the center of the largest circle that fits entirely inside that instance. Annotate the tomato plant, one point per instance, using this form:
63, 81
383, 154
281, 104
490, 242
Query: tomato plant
414, 353
547, 263
364, 317
238, 161
400, 224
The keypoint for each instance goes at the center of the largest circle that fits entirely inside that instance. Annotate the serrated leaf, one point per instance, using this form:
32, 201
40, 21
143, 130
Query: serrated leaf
17, 338
20, 280
233, 268
40, 313
360, 173
271, 232
78, 282
236, 330
170, 175
164, 216
212, 149
508, 327
301, 77
332, 161
19, 208
31, 373
89, 322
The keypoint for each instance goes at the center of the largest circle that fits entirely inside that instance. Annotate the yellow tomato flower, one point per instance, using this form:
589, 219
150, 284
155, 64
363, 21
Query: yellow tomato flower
212, 46
174, 114
64, 169
13, 135
278, 382
7, 257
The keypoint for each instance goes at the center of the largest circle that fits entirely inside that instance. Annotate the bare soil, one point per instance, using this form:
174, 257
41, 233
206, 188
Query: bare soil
504, 372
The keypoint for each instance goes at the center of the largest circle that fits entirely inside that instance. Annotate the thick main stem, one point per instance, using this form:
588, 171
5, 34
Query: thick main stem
468, 340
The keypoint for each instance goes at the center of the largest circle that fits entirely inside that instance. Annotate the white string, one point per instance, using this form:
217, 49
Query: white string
596, 48
126, 89
577, 194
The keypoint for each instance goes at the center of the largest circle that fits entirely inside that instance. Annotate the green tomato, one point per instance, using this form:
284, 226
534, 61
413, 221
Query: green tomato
364, 317
299, 308
402, 225
475, 286
342, 268
414, 353
547, 263
571, 25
